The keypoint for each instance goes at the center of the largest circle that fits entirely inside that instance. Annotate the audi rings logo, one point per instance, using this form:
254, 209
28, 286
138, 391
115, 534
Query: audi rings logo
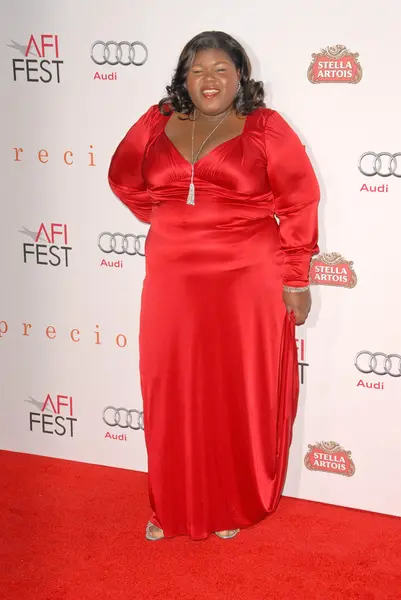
119, 53
122, 417
378, 363
122, 244
382, 164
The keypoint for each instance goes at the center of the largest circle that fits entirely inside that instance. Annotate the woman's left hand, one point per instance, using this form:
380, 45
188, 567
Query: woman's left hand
299, 303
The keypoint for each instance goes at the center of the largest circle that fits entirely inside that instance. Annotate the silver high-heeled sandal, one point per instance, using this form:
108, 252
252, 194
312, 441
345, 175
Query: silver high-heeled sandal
230, 534
150, 536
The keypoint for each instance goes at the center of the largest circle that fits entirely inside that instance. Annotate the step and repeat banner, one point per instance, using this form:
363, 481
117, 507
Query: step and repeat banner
74, 78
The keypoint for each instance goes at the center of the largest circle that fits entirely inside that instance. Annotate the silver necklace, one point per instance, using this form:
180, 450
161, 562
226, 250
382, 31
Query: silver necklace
191, 193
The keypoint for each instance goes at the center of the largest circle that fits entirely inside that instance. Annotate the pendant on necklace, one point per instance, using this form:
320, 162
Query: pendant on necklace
191, 194
194, 157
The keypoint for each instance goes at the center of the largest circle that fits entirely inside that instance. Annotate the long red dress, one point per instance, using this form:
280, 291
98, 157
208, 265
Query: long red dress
218, 359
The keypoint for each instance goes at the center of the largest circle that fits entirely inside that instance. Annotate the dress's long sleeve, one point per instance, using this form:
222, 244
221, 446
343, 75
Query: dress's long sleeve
125, 172
296, 196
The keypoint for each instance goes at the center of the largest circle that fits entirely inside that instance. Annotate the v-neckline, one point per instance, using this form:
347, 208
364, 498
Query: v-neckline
236, 137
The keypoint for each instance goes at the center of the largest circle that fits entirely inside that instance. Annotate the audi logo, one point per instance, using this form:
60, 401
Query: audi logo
122, 417
382, 164
378, 363
119, 53
122, 244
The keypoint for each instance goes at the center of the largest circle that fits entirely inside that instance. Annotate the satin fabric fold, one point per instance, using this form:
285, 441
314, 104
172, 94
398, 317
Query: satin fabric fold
218, 358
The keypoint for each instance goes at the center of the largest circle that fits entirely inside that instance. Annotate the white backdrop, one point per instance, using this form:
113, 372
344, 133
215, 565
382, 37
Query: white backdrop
68, 334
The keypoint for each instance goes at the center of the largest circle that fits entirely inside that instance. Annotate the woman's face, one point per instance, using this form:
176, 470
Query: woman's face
212, 81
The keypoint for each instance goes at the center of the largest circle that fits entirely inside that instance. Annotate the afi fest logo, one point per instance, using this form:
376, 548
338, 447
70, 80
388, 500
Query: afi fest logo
125, 54
335, 64
49, 245
302, 364
332, 269
379, 166
329, 457
41, 62
378, 364
55, 417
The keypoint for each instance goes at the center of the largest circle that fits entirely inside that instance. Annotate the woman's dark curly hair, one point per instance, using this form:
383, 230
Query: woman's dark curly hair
251, 93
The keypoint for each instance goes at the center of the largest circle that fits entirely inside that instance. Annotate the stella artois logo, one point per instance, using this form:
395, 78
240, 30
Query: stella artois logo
332, 269
329, 457
335, 64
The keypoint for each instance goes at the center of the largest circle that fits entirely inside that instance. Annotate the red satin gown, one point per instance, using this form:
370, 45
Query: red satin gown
218, 359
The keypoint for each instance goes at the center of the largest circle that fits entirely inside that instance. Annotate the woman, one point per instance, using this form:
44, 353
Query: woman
209, 168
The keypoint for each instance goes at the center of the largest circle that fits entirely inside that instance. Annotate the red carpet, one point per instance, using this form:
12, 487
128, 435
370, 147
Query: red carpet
76, 531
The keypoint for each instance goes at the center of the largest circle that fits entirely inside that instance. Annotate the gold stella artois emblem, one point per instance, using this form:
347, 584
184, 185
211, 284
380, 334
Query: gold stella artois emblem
331, 268
335, 64
329, 457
